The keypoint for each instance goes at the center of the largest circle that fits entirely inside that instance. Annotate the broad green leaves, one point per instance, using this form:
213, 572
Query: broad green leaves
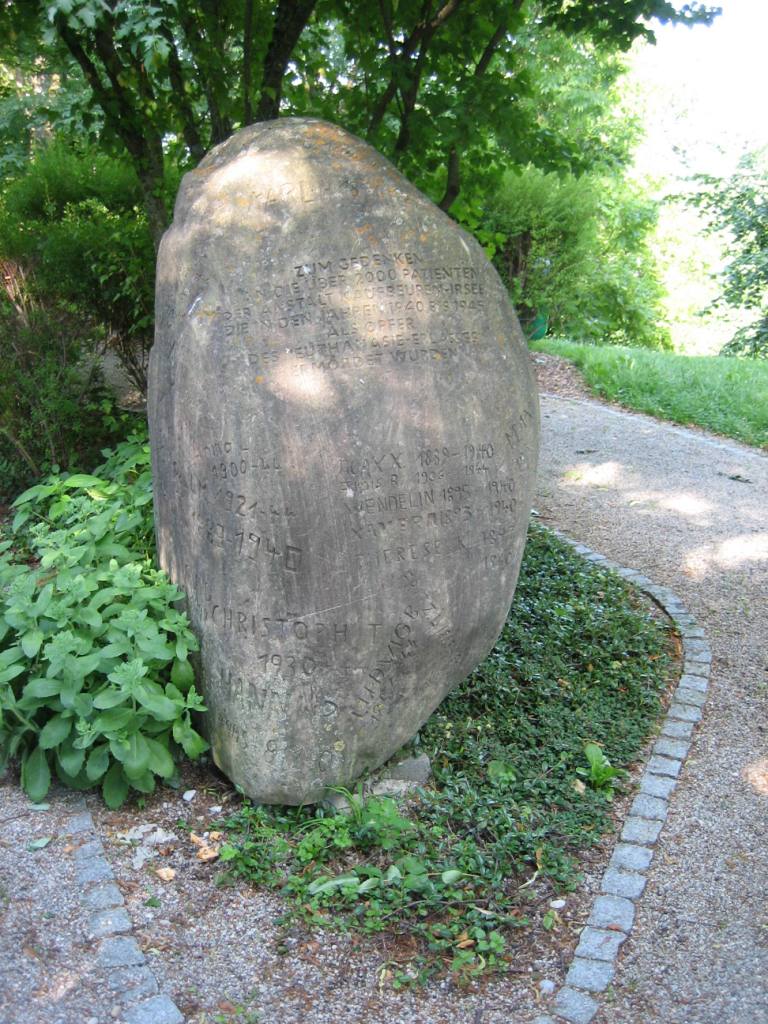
115, 786
95, 681
35, 775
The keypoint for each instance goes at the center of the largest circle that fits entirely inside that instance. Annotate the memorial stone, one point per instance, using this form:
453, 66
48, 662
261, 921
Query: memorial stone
344, 429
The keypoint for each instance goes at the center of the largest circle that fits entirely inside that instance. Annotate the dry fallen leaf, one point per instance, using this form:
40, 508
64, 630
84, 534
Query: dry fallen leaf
579, 786
206, 853
216, 836
196, 839
165, 874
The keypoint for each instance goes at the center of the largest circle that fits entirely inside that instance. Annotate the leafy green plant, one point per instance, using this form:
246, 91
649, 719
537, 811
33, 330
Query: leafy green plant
95, 679
601, 774
575, 250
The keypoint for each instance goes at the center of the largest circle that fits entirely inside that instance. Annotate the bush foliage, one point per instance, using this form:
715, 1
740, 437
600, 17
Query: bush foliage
74, 220
576, 251
54, 407
95, 679
739, 205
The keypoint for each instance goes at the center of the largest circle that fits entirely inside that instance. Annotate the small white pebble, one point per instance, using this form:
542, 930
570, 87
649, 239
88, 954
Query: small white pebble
189, 796
557, 904
547, 987
216, 809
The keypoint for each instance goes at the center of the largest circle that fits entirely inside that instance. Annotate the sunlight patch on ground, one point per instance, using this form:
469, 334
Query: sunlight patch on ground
609, 474
586, 475
686, 504
729, 554
756, 774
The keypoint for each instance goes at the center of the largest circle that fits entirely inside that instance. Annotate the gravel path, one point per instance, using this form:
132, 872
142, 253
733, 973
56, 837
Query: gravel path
686, 510
46, 963
690, 512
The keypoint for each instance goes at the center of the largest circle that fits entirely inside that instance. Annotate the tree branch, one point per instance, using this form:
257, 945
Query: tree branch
453, 183
453, 179
180, 100
194, 33
492, 46
247, 69
137, 134
421, 36
291, 18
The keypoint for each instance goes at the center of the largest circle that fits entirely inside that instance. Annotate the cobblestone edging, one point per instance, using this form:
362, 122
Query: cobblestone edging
129, 981
622, 885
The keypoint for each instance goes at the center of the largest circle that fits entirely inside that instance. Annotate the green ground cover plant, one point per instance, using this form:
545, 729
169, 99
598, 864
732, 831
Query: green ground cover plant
526, 756
95, 681
726, 395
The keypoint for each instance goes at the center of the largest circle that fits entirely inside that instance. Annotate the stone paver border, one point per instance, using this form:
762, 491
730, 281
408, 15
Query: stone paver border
128, 978
613, 912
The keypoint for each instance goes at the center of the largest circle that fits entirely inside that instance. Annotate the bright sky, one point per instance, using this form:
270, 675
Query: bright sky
708, 91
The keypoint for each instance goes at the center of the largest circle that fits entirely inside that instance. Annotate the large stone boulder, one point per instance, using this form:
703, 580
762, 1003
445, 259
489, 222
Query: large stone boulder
344, 427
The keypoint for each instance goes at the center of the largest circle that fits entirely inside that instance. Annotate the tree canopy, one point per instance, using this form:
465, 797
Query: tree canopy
431, 83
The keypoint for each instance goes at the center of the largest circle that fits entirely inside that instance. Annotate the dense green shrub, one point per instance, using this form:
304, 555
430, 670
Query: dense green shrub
54, 407
749, 341
576, 251
95, 681
739, 206
75, 219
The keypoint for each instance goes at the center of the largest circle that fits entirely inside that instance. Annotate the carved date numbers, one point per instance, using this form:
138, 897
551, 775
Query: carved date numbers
253, 546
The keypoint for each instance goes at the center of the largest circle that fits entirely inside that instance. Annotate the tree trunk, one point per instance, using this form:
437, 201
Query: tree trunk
138, 135
453, 184
247, 70
291, 18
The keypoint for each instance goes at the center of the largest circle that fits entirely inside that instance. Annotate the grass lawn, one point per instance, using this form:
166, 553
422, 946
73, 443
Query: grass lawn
725, 395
